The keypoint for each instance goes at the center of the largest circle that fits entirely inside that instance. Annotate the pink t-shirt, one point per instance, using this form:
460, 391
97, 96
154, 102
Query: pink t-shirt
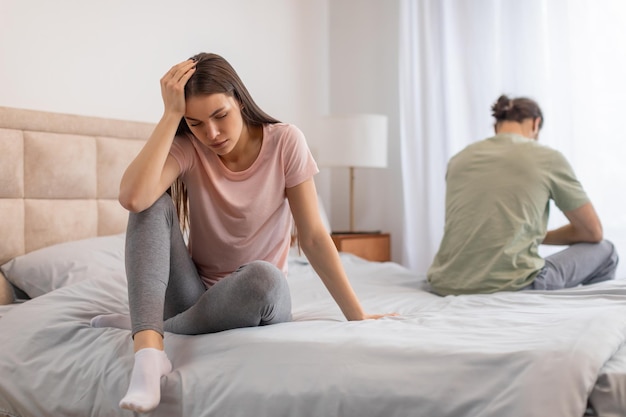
239, 217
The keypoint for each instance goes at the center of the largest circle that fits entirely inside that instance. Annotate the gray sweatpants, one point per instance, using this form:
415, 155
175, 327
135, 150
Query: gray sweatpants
581, 263
166, 293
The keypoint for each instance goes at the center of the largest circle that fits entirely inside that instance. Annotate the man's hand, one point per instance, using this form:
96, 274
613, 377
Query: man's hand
584, 226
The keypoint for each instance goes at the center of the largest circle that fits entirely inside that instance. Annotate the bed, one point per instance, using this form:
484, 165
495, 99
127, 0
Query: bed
520, 354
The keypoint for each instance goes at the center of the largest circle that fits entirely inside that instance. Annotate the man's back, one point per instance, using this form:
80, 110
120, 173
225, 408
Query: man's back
497, 206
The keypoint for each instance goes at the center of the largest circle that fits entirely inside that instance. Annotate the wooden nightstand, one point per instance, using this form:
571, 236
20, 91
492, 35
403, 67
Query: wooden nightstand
370, 246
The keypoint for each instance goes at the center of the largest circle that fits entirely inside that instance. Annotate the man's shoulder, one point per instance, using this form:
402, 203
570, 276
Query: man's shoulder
470, 149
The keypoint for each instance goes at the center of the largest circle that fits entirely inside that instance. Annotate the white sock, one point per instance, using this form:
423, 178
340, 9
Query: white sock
119, 321
144, 391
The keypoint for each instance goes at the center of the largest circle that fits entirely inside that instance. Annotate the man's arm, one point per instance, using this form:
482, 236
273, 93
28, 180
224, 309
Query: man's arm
584, 226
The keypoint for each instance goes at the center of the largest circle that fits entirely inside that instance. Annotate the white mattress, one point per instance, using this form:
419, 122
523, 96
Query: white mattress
501, 355
608, 397
5, 308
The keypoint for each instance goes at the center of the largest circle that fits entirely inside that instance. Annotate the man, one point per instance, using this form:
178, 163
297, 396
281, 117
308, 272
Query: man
498, 192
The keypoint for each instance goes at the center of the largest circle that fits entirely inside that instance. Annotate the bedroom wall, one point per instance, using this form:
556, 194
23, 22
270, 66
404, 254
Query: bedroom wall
364, 79
105, 58
298, 58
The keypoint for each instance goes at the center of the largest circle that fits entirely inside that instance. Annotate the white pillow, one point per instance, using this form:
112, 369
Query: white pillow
41, 271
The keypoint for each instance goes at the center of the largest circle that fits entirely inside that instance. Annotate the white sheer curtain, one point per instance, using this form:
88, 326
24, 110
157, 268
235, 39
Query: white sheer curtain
458, 56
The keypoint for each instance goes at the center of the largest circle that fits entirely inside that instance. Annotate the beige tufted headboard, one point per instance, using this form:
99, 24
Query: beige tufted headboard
59, 177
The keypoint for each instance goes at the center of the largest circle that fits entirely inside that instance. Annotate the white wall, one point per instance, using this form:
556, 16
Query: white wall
298, 58
364, 79
105, 58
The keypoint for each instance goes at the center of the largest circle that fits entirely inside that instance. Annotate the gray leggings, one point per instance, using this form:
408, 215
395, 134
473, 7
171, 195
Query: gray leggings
166, 293
581, 263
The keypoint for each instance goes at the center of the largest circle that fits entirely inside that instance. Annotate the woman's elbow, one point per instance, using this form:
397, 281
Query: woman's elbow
310, 243
130, 202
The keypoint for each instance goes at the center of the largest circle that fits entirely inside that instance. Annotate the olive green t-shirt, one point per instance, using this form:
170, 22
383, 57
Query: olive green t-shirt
498, 192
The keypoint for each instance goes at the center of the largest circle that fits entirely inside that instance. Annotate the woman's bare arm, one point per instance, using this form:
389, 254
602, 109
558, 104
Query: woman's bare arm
153, 170
321, 251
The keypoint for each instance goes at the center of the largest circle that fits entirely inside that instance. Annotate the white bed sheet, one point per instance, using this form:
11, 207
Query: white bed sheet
608, 397
501, 355
5, 308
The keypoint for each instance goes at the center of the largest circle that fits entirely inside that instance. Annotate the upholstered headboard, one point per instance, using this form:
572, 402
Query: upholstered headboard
59, 177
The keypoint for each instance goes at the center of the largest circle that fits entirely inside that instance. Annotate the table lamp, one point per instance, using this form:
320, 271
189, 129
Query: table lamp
353, 141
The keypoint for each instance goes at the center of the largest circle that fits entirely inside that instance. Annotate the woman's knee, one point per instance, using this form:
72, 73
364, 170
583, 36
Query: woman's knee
163, 207
270, 287
162, 204
263, 278
264, 271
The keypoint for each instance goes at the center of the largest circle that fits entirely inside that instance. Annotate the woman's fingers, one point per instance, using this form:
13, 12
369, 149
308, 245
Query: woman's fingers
380, 316
179, 71
188, 72
173, 85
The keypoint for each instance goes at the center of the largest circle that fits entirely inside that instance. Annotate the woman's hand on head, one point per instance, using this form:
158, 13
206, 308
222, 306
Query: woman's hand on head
173, 86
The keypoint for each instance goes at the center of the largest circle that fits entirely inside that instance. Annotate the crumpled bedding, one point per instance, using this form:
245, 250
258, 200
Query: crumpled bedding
519, 354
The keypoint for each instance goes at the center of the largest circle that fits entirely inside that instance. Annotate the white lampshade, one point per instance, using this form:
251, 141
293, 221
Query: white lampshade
353, 140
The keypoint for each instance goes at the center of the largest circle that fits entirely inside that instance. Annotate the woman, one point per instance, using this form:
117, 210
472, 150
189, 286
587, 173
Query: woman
245, 175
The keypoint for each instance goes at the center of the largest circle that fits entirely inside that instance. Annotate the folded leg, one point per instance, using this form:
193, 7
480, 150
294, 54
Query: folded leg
581, 263
256, 294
